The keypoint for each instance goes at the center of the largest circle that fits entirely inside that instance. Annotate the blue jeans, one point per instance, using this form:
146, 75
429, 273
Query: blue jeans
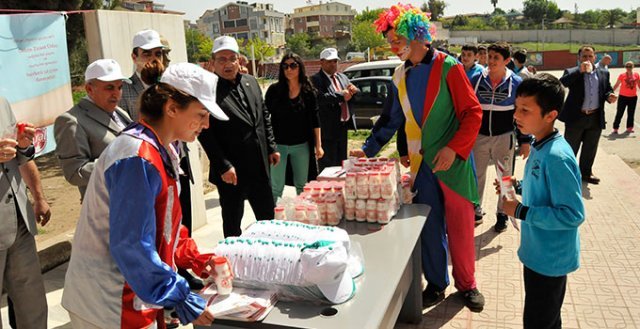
299, 155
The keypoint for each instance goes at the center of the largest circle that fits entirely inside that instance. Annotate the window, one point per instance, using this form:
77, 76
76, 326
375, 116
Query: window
243, 10
229, 24
215, 28
254, 23
224, 12
244, 36
241, 22
265, 34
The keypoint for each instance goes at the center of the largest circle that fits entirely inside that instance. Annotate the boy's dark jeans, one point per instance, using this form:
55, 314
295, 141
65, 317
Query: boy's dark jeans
543, 300
628, 103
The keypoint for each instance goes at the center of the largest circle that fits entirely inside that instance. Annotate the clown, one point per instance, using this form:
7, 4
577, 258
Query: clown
432, 96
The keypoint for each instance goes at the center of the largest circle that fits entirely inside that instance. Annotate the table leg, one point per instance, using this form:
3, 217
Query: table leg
411, 311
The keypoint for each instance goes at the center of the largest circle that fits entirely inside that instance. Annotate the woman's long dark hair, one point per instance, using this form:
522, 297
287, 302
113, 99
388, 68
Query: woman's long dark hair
305, 83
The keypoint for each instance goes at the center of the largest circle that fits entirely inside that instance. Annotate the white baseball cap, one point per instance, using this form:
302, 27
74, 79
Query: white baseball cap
104, 70
197, 82
326, 267
147, 39
225, 43
329, 54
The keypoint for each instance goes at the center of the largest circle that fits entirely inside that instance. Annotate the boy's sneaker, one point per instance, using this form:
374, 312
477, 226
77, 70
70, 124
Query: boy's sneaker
501, 223
432, 296
473, 299
479, 214
630, 130
614, 132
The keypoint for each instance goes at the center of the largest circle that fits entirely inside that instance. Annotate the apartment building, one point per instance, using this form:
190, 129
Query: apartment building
326, 19
245, 21
146, 6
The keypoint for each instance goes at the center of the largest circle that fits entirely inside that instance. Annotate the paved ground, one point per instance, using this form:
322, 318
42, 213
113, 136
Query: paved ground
603, 293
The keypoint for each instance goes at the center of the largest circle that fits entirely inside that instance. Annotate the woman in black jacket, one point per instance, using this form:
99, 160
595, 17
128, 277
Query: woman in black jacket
296, 125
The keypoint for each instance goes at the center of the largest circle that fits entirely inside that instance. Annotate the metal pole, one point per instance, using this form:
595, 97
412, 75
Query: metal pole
253, 62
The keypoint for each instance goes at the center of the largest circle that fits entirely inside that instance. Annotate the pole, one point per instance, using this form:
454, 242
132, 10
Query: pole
253, 61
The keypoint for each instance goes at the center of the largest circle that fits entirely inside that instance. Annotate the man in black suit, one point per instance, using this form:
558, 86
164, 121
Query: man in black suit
583, 111
334, 93
241, 149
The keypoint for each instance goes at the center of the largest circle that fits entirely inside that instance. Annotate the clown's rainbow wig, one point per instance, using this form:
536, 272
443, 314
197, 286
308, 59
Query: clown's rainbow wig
408, 21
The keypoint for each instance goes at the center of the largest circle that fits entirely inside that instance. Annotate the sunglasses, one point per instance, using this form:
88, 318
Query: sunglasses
629, 67
292, 66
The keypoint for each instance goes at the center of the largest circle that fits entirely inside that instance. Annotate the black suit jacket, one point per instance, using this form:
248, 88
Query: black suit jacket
574, 80
243, 142
329, 104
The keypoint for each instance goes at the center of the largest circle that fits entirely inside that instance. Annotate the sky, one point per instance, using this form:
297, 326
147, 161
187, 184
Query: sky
193, 9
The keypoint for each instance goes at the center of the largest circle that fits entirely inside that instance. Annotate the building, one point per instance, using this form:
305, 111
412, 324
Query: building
147, 6
244, 21
328, 20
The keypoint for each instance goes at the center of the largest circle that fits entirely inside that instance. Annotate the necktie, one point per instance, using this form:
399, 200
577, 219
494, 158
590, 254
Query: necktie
345, 108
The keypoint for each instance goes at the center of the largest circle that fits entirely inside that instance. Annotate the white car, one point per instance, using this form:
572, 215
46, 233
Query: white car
373, 69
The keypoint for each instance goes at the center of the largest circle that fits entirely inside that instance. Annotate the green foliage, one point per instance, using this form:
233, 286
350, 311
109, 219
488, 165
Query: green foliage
78, 94
198, 46
435, 7
536, 10
299, 43
498, 11
498, 22
365, 36
368, 15
494, 3
261, 49
613, 16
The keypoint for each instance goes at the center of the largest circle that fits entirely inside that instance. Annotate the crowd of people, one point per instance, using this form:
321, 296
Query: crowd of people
124, 147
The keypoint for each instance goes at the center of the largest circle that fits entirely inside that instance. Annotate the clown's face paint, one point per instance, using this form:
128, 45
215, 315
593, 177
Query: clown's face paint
399, 45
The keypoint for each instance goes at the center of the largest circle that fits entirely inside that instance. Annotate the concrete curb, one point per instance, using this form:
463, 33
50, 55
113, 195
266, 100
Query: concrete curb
54, 256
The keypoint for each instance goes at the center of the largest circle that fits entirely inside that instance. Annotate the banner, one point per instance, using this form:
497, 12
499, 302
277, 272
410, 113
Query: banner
34, 66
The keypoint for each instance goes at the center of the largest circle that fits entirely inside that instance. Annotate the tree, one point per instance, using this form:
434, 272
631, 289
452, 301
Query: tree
365, 36
368, 15
299, 43
198, 46
537, 10
495, 4
460, 20
498, 22
613, 16
435, 7
498, 11
261, 49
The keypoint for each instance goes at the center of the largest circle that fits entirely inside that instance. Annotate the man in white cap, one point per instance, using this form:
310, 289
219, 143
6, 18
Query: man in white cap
83, 132
241, 149
336, 117
147, 46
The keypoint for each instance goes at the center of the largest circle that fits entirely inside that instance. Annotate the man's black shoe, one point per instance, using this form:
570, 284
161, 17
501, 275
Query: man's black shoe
479, 220
501, 223
473, 299
432, 296
591, 179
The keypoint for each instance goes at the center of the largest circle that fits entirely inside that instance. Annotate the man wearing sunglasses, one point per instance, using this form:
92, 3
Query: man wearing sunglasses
147, 46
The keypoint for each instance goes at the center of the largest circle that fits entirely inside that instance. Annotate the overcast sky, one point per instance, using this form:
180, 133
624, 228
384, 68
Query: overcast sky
195, 8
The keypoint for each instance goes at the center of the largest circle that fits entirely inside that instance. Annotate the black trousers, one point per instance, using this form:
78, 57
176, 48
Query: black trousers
232, 197
584, 132
628, 103
335, 149
543, 300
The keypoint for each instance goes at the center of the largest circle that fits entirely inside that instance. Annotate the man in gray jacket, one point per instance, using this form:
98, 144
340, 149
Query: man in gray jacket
20, 272
83, 132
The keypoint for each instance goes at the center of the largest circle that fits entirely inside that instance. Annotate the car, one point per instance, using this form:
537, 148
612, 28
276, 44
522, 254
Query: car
367, 104
371, 69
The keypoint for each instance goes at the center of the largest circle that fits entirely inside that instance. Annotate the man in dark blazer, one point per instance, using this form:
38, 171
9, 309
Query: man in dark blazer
336, 116
583, 111
83, 132
241, 149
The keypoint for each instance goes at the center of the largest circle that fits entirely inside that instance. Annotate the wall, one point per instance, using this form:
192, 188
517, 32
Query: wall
609, 36
109, 35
